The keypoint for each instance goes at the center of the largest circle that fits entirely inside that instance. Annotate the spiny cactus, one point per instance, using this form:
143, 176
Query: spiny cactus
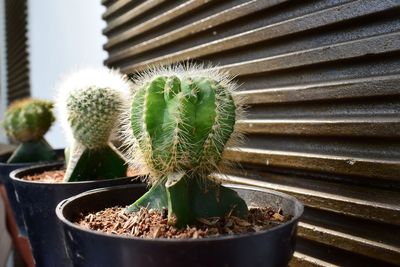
27, 121
181, 119
92, 114
90, 104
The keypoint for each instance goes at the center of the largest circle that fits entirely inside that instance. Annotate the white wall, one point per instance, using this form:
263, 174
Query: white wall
3, 66
63, 35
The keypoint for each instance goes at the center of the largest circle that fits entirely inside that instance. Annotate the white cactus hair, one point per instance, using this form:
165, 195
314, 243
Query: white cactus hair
89, 79
135, 157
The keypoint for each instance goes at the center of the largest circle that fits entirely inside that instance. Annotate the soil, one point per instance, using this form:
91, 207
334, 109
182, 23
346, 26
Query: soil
57, 176
153, 223
47, 177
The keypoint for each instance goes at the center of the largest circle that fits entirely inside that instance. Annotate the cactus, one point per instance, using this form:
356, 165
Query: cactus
27, 121
90, 103
180, 121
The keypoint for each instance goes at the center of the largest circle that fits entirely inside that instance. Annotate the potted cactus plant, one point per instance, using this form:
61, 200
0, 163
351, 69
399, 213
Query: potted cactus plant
89, 102
26, 121
177, 125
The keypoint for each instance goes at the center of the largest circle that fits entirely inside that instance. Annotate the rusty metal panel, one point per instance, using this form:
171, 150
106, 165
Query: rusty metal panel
321, 82
18, 85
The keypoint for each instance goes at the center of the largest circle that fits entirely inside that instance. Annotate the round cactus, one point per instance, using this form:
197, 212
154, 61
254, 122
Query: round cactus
28, 119
181, 119
92, 114
90, 104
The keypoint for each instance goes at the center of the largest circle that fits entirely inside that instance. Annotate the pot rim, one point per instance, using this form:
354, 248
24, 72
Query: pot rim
13, 176
294, 220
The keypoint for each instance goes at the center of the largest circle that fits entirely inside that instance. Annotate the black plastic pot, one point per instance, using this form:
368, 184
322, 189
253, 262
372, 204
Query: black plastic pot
38, 202
89, 248
5, 170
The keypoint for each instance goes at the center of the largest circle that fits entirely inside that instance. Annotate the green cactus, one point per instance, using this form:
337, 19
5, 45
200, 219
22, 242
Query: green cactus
27, 121
91, 112
181, 122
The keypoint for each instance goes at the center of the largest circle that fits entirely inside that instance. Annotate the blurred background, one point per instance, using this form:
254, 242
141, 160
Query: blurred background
48, 40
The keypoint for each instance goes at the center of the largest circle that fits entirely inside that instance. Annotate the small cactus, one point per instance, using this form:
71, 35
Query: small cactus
90, 104
181, 119
27, 121
92, 114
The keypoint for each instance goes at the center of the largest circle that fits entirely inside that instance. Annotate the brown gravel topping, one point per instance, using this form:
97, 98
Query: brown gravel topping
57, 176
153, 224
47, 177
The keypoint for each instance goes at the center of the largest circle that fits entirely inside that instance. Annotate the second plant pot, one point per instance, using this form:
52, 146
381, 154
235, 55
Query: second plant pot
38, 201
87, 248
5, 170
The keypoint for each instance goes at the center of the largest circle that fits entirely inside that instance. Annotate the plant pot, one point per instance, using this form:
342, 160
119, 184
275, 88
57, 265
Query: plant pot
89, 248
38, 202
5, 170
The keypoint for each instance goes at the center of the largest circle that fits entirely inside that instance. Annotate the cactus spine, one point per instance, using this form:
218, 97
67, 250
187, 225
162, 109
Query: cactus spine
27, 121
90, 105
181, 120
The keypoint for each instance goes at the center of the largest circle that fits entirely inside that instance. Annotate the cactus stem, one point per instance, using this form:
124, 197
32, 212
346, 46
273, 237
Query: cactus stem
188, 198
101, 163
33, 151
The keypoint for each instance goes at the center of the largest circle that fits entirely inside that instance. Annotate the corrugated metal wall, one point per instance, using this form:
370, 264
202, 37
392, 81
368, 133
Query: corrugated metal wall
322, 81
17, 50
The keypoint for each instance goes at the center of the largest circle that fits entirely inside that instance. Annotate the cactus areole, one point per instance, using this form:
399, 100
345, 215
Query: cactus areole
27, 121
180, 124
90, 106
